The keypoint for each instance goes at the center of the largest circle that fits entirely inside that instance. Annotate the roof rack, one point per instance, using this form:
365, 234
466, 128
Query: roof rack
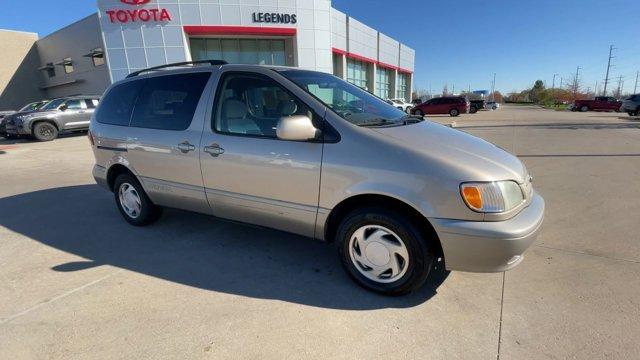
210, 62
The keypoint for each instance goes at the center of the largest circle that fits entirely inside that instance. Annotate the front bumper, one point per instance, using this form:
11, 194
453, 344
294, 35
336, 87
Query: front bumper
628, 107
489, 246
16, 130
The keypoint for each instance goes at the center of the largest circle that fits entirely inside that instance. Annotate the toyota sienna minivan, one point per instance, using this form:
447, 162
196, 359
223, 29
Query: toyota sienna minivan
308, 153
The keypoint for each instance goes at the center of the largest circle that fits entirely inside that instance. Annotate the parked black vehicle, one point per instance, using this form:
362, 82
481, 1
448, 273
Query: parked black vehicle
31, 107
475, 105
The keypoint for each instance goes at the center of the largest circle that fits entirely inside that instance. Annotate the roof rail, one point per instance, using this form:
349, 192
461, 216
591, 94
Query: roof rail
210, 62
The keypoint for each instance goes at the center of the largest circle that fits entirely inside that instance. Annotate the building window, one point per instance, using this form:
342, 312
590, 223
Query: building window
382, 83
51, 70
67, 64
401, 91
240, 51
357, 73
97, 55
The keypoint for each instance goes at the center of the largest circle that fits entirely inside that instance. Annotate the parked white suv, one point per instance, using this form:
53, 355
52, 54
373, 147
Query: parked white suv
401, 104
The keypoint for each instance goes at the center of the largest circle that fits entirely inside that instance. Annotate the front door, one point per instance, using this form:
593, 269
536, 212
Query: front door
249, 174
164, 137
73, 115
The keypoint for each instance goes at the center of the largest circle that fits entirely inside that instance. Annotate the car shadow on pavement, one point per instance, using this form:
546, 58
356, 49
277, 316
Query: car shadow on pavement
195, 250
26, 139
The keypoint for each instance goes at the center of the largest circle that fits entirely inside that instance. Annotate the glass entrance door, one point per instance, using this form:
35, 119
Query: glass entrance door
240, 51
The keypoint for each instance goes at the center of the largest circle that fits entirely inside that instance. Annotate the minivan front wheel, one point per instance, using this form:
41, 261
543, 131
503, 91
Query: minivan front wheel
454, 112
133, 203
44, 131
383, 251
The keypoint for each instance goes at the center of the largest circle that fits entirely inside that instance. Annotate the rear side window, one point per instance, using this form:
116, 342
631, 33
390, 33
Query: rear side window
91, 103
169, 102
116, 107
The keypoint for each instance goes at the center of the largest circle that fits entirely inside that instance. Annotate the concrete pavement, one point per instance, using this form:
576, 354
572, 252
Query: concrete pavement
77, 282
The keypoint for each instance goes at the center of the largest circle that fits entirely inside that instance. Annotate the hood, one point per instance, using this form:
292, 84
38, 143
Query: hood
478, 159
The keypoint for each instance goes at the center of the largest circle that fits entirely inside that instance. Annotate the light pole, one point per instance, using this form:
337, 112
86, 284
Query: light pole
493, 88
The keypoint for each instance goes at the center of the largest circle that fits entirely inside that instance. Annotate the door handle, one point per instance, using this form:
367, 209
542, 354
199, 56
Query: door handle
185, 147
214, 150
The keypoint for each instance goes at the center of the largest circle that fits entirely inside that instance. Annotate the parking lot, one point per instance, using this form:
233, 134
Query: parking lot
76, 281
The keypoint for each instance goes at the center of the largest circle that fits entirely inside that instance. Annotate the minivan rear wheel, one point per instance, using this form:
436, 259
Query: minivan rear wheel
454, 112
383, 252
133, 203
584, 108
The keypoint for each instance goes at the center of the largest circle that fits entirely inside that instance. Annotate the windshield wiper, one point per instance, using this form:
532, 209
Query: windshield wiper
377, 122
412, 119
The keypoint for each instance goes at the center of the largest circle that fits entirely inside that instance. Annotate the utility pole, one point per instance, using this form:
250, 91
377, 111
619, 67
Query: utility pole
595, 89
635, 87
606, 78
575, 83
493, 87
619, 86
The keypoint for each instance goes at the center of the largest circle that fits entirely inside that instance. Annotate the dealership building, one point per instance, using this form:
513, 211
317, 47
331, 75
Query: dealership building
129, 35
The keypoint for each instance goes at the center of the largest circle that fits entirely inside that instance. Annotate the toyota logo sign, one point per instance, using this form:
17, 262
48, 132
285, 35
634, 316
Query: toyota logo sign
135, 2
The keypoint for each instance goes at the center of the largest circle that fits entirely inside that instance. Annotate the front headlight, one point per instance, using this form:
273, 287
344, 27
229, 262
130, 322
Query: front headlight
492, 197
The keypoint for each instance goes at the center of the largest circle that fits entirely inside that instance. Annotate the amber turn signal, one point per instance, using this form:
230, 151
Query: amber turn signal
472, 197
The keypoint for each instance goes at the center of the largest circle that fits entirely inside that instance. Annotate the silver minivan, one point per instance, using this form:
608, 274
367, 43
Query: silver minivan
308, 153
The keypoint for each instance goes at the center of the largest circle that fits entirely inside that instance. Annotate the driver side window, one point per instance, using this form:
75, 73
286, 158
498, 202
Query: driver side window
73, 104
252, 105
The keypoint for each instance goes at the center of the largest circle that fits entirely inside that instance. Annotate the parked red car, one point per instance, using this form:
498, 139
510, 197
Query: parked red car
600, 103
452, 105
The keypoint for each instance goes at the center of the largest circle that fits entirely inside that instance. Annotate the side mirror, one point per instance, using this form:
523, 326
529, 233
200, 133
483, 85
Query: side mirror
63, 108
296, 128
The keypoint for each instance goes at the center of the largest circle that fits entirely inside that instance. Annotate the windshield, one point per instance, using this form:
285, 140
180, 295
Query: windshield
350, 102
32, 106
53, 104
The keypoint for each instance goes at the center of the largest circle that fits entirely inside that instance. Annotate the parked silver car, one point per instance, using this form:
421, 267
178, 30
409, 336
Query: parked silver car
58, 115
308, 153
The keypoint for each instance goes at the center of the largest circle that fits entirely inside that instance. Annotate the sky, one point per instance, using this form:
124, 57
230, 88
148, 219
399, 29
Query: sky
460, 43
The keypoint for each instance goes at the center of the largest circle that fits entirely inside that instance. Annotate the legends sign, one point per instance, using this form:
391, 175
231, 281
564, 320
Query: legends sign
274, 18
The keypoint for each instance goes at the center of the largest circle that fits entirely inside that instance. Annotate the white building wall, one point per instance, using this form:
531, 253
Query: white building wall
407, 58
388, 50
338, 30
137, 45
362, 40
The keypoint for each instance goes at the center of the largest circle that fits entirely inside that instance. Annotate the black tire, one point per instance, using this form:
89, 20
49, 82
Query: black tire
473, 110
45, 131
418, 112
454, 112
584, 108
149, 212
421, 257
632, 113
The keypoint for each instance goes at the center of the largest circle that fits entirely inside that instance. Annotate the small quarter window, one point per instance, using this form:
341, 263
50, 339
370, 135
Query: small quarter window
117, 105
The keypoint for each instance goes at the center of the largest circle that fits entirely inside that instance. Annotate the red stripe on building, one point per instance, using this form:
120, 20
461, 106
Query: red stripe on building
238, 30
369, 60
